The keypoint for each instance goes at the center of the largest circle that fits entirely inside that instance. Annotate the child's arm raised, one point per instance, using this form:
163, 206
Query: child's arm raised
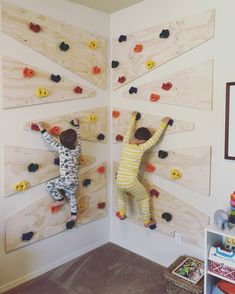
48, 138
158, 133
76, 124
130, 127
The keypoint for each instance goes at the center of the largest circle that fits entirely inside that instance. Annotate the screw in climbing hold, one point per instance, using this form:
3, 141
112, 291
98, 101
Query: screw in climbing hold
41, 92
154, 97
175, 174
92, 44
150, 64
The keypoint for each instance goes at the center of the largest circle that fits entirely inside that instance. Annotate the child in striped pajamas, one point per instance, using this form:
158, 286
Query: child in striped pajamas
127, 175
69, 150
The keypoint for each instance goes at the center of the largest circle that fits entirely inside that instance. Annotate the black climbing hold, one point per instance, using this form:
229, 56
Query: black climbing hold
55, 78
162, 154
70, 224
57, 161
153, 227
33, 167
164, 34
138, 116
167, 216
64, 46
115, 64
100, 137
122, 38
86, 182
170, 123
27, 236
133, 90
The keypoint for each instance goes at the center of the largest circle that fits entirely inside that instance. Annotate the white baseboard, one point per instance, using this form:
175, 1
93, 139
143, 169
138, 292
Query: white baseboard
51, 266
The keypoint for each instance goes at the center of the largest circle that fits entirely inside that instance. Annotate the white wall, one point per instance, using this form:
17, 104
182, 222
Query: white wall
209, 126
35, 259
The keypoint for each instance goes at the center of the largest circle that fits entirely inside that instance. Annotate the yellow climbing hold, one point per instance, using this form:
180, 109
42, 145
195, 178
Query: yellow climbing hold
175, 174
92, 118
150, 64
82, 204
40, 92
92, 44
21, 186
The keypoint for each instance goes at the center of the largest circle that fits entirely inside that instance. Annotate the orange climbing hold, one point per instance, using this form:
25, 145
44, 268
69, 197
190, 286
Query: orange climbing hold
28, 72
55, 131
154, 97
101, 170
115, 114
96, 70
138, 48
150, 168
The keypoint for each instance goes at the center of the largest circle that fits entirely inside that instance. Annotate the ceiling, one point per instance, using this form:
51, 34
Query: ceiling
109, 6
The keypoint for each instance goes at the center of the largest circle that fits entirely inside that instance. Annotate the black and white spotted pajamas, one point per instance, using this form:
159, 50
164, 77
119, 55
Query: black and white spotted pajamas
69, 166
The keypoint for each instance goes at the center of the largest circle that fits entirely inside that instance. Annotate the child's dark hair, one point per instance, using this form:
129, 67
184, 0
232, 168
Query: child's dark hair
142, 134
68, 138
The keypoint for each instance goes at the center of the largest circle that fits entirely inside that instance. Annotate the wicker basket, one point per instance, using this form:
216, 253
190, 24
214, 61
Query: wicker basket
176, 285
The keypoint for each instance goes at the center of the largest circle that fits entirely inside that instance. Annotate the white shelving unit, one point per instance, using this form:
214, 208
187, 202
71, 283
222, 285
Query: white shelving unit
213, 236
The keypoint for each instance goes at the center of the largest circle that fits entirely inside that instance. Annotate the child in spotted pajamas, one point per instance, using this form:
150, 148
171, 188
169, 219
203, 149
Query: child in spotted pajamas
69, 150
127, 175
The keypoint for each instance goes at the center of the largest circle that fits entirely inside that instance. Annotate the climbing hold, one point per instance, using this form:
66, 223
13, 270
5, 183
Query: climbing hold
101, 137
166, 86
153, 227
40, 92
162, 154
101, 205
138, 48
119, 138
34, 27
150, 64
21, 186
55, 131
55, 78
115, 63
33, 167
70, 224
175, 174
92, 118
138, 116
101, 170
167, 216
55, 209
154, 97
122, 79
115, 114
150, 168
154, 192
28, 72
82, 160
27, 236
120, 216
164, 34
78, 90
64, 46
122, 38
170, 123
96, 70
57, 161
34, 127
82, 204
86, 182
93, 44
133, 90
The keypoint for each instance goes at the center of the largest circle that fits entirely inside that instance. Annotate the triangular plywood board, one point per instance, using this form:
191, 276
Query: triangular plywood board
84, 53
38, 218
147, 49
191, 87
186, 220
17, 160
93, 123
193, 164
19, 89
121, 119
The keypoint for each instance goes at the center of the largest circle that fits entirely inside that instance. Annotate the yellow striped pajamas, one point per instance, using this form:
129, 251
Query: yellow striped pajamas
127, 176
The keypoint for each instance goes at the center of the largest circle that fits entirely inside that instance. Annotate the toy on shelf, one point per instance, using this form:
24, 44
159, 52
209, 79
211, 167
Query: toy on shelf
232, 209
221, 219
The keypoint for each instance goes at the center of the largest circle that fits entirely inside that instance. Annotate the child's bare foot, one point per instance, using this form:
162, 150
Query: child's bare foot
72, 218
121, 217
152, 225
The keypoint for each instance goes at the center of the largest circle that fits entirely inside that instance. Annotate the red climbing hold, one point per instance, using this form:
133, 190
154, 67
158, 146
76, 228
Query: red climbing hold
96, 70
119, 138
78, 90
55, 131
121, 79
101, 170
166, 86
101, 205
150, 168
34, 27
34, 127
55, 209
28, 72
154, 192
115, 114
154, 97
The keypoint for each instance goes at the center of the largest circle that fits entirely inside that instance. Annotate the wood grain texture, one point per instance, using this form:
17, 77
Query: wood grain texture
120, 123
16, 162
38, 218
20, 91
92, 123
191, 87
185, 34
193, 163
80, 58
186, 220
